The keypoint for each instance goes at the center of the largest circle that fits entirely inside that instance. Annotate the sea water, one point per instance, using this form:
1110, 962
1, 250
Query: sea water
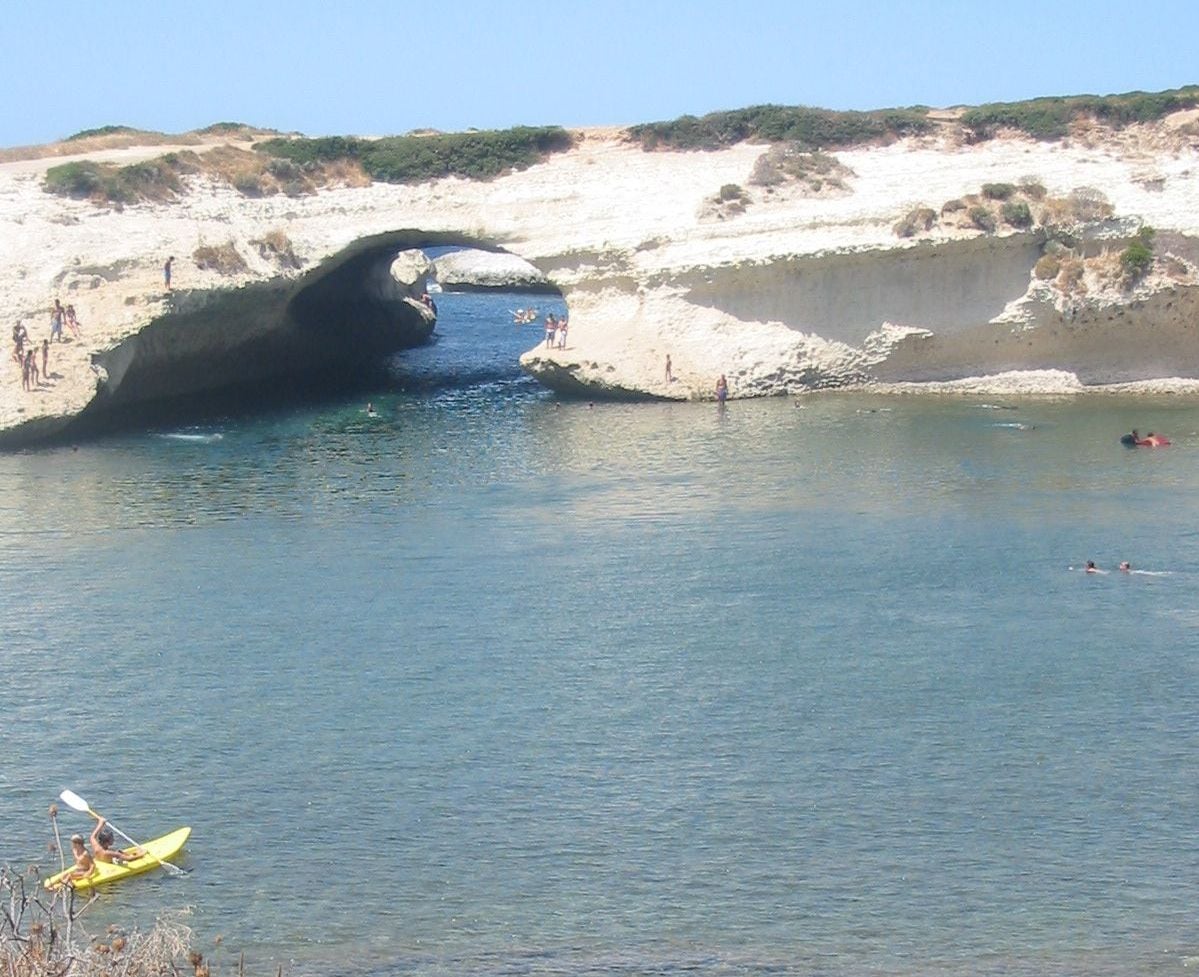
498, 683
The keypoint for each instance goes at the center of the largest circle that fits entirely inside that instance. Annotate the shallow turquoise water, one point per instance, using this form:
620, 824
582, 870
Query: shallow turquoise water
498, 684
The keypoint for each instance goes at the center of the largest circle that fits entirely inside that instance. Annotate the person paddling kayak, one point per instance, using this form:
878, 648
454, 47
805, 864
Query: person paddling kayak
103, 851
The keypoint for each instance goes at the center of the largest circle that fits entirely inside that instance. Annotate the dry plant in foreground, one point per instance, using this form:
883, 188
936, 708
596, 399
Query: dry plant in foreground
44, 935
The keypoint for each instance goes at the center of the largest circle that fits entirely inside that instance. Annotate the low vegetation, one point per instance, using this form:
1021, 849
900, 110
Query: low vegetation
1137, 258
920, 219
275, 246
102, 131
155, 180
998, 191
301, 166
46, 935
1020, 205
224, 259
1047, 267
729, 201
791, 163
1016, 213
414, 159
1050, 118
982, 218
811, 128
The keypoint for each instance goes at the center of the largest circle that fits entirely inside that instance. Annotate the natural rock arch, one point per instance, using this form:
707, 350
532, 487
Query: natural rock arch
338, 320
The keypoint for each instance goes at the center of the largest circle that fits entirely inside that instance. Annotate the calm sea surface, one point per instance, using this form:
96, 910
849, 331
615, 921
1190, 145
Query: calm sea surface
498, 684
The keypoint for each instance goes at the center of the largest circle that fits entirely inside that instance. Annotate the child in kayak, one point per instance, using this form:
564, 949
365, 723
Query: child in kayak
84, 866
104, 852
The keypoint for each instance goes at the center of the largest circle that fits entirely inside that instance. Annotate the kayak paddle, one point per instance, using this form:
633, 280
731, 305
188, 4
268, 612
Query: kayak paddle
71, 799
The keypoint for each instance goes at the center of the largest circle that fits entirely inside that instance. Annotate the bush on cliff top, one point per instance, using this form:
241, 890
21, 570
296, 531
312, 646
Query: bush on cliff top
1050, 118
1016, 213
810, 127
413, 159
101, 131
154, 179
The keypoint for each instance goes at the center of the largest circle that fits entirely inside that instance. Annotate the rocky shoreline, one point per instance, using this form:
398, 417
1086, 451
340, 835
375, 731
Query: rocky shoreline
909, 272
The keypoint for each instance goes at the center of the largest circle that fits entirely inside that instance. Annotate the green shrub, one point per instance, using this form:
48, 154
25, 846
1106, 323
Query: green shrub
730, 191
982, 218
414, 159
1146, 235
225, 129
1047, 267
1050, 118
101, 131
1136, 259
810, 127
1016, 213
998, 191
81, 180
153, 179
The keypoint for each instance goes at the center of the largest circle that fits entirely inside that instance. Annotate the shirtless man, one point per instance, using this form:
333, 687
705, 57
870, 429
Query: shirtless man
84, 865
102, 846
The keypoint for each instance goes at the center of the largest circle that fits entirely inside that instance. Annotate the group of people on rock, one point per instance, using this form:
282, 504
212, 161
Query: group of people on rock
25, 352
555, 331
60, 317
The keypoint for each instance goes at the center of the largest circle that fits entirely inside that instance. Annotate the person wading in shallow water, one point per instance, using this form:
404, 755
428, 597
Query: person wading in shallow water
722, 389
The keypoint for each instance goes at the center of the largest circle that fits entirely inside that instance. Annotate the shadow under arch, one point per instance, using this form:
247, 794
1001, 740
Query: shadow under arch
330, 329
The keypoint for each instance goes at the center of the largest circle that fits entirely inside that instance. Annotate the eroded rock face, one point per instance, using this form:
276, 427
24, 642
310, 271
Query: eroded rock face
471, 270
346, 318
411, 268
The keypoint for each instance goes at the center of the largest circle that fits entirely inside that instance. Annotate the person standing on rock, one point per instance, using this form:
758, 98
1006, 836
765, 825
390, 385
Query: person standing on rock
669, 371
20, 336
562, 324
166, 272
551, 329
46, 358
73, 321
57, 314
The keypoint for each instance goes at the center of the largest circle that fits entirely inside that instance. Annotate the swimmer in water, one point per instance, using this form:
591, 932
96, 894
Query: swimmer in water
370, 410
1090, 567
1126, 567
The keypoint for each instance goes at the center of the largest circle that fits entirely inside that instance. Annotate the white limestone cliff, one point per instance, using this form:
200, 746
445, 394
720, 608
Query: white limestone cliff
791, 292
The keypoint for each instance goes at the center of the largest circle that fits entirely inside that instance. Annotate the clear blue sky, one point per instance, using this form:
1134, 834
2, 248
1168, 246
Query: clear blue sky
371, 67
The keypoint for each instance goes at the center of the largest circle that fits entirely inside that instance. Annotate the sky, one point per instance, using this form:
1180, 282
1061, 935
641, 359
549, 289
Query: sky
370, 67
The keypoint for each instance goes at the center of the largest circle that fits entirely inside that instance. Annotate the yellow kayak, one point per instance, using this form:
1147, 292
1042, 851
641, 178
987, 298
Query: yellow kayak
157, 851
